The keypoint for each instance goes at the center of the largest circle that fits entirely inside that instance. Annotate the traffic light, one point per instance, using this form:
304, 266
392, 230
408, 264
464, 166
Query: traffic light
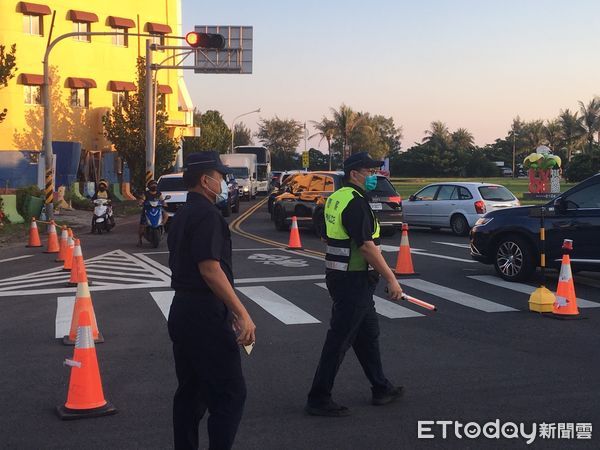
205, 40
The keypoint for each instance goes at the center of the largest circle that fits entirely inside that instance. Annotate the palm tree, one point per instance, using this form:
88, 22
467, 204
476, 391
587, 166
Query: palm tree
533, 134
463, 139
571, 130
326, 129
553, 132
438, 130
590, 119
346, 122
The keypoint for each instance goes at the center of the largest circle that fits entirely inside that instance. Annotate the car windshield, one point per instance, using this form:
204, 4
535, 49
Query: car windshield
384, 188
171, 184
496, 193
240, 172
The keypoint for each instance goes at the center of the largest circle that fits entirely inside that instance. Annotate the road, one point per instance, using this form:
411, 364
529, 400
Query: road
482, 356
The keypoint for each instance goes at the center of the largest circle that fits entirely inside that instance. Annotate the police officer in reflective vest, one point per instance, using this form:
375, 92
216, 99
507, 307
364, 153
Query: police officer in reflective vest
204, 309
352, 254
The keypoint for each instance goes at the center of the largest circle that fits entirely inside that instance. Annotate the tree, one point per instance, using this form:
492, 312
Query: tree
571, 130
553, 132
590, 120
282, 137
317, 160
438, 131
462, 139
125, 127
8, 62
241, 135
347, 121
325, 130
214, 132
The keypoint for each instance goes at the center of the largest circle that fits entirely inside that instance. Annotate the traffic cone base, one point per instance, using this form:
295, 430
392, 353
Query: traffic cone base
404, 265
294, 242
85, 397
541, 300
34, 235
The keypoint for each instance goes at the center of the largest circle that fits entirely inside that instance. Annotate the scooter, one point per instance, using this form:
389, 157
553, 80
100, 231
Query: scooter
103, 216
154, 229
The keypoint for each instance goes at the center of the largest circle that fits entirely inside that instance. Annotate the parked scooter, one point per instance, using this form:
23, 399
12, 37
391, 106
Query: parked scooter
154, 221
103, 219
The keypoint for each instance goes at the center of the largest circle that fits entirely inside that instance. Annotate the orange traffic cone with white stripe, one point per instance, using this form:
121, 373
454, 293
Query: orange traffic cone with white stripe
78, 273
83, 303
85, 397
565, 306
34, 235
294, 242
68, 264
404, 264
53, 246
62, 244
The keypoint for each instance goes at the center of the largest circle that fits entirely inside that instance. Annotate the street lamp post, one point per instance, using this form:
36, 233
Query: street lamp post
233, 124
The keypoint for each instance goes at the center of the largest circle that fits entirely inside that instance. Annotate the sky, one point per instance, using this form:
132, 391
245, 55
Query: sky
471, 64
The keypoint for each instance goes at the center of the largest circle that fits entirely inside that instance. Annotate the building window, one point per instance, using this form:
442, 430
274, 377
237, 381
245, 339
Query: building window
121, 39
80, 98
33, 25
33, 95
119, 99
161, 102
82, 27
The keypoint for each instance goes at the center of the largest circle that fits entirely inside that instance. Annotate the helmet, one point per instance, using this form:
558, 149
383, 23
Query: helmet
103, 182
150, 183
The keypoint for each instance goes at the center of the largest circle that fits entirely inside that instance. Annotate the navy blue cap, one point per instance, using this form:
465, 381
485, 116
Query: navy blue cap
361, 160
205, 161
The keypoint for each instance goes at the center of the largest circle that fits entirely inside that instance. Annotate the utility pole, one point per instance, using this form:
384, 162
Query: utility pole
514, 166
149, 100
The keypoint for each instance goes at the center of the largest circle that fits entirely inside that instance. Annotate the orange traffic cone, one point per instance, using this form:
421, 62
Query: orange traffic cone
78, 274
53, 246
69, 251
565, 305
85, 397
404, 265
294, 242
83, 303
63, 244
34, 235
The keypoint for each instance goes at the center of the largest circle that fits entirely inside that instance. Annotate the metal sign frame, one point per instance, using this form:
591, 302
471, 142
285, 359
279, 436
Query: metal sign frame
235, 58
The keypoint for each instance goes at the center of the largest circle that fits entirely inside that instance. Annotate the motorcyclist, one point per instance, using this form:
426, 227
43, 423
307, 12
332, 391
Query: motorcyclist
102, 193
150, 194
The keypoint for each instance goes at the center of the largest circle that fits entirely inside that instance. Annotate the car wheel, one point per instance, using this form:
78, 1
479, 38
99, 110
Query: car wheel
514, 258
279, 218
459, 225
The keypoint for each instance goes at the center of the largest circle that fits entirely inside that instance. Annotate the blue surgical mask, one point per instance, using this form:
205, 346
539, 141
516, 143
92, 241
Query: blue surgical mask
221, 196
370, 182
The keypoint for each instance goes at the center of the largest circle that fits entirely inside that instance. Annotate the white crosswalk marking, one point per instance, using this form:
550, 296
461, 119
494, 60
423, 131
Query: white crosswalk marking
524, 288
388, 309
163, 299
277, 306
455, 296
64, 314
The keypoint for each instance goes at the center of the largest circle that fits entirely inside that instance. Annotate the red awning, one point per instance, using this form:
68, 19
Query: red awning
164, 89
34, 9
80, 83
82, 16
120, 22
121, 86
158, 28
31, 79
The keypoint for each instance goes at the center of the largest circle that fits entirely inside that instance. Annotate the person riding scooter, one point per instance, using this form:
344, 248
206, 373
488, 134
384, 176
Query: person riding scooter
151, 194
102, 193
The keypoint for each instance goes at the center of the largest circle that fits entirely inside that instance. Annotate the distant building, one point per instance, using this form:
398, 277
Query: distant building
89, 75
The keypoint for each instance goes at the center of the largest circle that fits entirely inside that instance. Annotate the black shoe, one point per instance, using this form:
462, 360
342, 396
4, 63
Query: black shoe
331, 409
388, 396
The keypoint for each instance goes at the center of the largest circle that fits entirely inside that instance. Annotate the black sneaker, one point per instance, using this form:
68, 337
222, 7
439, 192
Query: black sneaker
388, 396
331, 409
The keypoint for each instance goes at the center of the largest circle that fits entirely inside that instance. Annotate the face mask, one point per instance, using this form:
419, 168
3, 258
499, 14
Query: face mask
221, 196
370, 182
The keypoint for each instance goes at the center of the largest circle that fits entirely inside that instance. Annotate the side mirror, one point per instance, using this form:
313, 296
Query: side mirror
560, 205
167, 197
412, 198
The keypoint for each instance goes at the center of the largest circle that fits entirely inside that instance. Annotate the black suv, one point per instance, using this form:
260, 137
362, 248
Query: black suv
509, 238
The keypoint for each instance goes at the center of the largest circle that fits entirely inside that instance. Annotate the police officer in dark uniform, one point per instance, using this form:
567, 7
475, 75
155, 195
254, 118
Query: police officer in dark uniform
207, 321
352, 254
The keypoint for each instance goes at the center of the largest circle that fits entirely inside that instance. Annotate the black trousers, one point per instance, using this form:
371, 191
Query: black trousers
353, 324
208, 368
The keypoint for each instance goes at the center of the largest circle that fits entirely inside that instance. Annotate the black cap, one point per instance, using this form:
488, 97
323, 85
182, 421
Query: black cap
361, 160
205, 161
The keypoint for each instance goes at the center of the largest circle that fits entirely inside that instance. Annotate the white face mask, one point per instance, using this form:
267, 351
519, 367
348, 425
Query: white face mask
221, 196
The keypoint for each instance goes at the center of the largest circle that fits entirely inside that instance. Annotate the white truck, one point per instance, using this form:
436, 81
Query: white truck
243, 167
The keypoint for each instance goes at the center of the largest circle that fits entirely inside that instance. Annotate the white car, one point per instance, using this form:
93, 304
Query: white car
455, 205
172, 184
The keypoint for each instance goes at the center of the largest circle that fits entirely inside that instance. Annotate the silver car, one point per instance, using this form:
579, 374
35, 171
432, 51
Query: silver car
455, 205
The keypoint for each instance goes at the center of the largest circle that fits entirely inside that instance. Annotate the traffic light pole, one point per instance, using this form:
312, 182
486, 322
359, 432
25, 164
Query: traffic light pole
149, 94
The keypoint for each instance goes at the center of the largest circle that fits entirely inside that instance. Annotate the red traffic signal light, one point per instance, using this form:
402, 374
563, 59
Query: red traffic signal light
205, 40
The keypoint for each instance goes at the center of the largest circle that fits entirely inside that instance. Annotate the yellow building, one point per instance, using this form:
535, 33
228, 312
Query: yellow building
88, 74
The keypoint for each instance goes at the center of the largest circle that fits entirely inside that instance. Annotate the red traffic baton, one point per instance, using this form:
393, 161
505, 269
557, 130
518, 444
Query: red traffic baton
418, 302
